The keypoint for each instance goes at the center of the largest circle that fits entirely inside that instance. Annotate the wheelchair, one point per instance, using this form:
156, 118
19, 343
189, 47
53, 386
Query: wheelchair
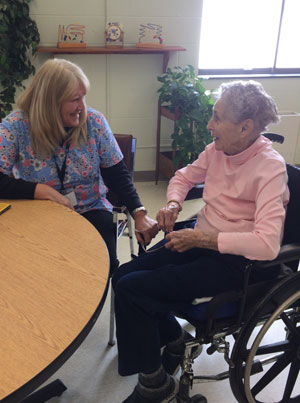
253, 316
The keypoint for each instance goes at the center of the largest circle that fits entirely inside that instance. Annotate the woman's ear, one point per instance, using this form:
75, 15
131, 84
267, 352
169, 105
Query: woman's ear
247, 126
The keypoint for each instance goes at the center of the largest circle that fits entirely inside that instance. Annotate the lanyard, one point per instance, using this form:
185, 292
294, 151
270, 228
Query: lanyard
61, 172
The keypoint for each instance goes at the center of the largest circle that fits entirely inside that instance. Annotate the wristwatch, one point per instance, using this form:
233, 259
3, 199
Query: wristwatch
141, 208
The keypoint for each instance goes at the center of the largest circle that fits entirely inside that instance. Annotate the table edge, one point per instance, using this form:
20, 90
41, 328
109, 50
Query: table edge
47, 372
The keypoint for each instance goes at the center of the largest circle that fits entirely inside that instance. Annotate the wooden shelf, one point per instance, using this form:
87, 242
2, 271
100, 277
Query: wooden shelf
168, 114
164, 162
126, 50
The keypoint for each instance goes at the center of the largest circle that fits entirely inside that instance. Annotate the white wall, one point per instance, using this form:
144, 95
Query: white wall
124, 87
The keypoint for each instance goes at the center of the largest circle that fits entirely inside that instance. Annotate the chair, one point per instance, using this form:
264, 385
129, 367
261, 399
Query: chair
121, 216
127, 144
249, 315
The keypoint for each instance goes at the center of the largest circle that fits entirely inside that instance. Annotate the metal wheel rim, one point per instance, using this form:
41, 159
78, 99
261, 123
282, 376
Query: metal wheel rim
258, 339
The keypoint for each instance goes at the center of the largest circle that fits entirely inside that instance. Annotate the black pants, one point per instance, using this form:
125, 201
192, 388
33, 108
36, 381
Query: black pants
103, 222
149, 288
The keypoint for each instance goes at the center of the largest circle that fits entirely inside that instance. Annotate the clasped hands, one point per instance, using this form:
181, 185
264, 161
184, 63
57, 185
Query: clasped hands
184, 239
146, 228
179, 241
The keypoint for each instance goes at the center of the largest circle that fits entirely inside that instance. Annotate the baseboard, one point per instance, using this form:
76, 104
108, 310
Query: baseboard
147, 176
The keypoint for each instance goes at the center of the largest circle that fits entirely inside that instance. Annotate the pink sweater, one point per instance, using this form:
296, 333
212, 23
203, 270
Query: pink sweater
245, 196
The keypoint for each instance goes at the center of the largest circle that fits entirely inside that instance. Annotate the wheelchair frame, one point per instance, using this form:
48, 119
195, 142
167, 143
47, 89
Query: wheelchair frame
242, 364
265, 305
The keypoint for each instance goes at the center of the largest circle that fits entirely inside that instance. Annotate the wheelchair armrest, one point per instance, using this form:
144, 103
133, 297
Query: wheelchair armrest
287, 253
196, 192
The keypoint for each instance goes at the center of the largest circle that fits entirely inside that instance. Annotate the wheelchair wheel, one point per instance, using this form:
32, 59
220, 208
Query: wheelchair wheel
266, 354
198, 399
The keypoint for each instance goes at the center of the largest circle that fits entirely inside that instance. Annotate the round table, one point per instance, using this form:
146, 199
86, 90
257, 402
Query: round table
54, 271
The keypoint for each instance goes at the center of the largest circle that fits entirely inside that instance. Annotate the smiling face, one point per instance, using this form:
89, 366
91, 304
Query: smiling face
70, 110
229, 137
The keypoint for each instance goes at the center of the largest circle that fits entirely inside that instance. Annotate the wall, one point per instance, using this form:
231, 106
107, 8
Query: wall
124, 87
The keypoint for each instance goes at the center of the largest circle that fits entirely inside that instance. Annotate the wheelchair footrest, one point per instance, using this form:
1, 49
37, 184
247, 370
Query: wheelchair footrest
204, 378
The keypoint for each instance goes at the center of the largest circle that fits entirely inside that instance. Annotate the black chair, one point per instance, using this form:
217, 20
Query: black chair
250, 316
121, 216
276, 138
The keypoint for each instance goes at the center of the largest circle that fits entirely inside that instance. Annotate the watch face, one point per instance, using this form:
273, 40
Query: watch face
113, 33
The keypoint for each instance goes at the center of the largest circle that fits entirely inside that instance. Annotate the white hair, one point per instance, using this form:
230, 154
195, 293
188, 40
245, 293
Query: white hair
248, 100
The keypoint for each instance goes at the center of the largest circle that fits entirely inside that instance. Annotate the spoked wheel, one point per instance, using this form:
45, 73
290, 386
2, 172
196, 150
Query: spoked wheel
267, 352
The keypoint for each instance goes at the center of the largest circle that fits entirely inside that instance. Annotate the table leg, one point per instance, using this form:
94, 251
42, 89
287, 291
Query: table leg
55, 388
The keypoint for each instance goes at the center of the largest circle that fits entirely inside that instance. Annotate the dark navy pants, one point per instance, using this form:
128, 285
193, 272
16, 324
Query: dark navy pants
102, 220
148, 288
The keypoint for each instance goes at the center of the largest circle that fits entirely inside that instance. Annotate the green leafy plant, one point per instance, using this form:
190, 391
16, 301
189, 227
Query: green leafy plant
19, 38
182, 93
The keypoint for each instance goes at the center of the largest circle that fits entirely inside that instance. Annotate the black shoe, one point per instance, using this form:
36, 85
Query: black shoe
170, 395
172, 358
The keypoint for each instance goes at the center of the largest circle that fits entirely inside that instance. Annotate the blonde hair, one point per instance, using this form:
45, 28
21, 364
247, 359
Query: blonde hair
54, 83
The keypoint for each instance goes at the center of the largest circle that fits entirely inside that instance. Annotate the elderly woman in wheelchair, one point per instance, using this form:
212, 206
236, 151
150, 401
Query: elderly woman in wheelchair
229, 259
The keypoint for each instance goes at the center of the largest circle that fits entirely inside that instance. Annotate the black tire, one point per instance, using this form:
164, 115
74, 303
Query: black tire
198, 399
257, 342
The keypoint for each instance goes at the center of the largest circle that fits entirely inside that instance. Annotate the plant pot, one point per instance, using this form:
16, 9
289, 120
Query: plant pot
166, 166
168, 114
167, 169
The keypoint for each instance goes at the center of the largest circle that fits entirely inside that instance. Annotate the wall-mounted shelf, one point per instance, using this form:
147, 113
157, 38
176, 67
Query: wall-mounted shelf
126, 50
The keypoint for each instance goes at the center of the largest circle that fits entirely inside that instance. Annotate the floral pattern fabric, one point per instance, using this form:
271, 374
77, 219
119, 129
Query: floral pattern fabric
83, 164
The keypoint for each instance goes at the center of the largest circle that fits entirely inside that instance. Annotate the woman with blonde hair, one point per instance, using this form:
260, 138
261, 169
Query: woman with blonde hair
59, 149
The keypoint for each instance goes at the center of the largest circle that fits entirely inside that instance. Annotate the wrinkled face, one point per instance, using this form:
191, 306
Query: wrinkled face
227, 135
71, 109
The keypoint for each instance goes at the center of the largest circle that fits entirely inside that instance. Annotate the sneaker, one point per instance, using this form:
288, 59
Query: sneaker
171, 359
170, 396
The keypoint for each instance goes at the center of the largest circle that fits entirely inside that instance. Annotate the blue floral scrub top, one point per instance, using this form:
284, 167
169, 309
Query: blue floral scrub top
82, 164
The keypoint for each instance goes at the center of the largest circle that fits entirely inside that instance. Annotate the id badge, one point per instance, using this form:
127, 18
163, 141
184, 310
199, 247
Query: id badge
71, 196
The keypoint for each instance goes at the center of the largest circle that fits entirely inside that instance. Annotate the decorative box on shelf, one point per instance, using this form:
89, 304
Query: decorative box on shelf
150, 36
114, 35
71, 36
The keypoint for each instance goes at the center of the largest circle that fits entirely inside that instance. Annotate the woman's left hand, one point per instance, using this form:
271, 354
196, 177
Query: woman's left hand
185, 239
145, 228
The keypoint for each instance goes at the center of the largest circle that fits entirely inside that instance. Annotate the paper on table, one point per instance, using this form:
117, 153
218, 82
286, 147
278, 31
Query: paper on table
4, 207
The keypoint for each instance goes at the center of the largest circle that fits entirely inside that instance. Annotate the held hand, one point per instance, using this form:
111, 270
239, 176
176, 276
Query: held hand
45, 192
181, 241
145, 228
185, 239
167, 216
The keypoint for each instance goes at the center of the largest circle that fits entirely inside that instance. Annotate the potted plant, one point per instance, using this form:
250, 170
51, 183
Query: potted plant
19, 38
184, 100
